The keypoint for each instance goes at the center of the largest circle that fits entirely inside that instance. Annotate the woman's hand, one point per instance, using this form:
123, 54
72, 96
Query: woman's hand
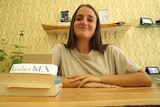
97, 85
89, 80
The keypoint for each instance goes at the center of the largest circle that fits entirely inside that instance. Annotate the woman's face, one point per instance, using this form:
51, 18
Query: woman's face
85, 23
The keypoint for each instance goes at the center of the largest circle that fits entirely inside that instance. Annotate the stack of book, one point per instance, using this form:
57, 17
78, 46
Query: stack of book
30, 82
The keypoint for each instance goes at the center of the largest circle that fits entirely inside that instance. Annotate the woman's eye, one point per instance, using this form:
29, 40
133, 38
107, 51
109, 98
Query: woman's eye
90, 20
78, 19
81, 18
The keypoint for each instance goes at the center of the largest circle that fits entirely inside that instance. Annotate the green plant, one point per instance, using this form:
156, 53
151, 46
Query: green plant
14, 57
17, 54
3, 54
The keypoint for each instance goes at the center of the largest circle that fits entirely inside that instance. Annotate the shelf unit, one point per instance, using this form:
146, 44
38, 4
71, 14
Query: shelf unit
105, 29
154, 25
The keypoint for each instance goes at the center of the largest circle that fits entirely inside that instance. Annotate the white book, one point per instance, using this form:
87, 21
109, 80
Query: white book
34, 68
31, 80
25, 84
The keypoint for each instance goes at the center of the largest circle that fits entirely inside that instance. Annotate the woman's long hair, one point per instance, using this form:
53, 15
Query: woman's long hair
95, 42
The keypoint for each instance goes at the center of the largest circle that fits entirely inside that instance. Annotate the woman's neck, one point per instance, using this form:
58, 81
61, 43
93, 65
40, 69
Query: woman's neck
83, 47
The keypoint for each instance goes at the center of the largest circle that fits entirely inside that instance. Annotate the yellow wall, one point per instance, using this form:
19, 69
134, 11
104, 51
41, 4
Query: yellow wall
142, 45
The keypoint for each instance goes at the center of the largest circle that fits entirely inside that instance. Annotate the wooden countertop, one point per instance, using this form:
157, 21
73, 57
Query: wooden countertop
84, 97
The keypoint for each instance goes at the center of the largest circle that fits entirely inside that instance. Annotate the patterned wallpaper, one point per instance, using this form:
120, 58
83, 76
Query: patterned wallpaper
140, 44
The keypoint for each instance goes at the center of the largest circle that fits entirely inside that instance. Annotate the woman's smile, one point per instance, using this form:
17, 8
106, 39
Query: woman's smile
83, 28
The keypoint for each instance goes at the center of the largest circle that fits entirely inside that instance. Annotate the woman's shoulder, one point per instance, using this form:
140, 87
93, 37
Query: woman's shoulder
112, 48
59, 46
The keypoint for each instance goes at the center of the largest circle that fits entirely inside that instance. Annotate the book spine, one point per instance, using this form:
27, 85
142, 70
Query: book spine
57, 80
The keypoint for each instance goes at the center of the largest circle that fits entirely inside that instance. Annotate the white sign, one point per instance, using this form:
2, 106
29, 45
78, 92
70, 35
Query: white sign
35, 68
103, 16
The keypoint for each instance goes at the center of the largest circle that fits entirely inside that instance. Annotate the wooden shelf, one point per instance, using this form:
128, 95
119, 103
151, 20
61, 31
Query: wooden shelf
154, 25
105, 28
114, 28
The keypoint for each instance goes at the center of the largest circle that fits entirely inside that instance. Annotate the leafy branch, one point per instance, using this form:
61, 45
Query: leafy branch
16, 56
3, 54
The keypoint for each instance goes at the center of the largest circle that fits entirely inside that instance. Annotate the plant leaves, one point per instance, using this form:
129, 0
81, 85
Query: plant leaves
16, 61
17, 52
1, 58
1, 50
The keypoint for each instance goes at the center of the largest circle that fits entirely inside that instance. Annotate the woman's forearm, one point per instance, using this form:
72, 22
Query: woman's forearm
133, 79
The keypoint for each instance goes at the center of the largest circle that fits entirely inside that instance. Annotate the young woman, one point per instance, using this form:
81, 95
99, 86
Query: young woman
85, 62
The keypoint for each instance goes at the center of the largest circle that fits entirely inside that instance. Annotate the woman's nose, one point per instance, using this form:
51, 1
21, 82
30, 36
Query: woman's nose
84, 22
